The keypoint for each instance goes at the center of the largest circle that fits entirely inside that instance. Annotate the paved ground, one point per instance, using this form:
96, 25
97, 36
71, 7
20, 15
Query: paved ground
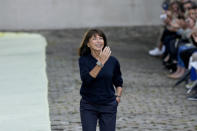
149, 103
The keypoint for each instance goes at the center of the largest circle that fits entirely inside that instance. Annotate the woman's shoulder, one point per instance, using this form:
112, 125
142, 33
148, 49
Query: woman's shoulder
84, 58
113, 58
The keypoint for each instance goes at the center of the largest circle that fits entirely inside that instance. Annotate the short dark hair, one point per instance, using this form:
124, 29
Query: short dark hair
194, 6
182, 5
84, 49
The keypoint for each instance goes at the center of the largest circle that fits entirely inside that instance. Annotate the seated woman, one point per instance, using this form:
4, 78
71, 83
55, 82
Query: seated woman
175, 9
190, 23
186, 54
170, 14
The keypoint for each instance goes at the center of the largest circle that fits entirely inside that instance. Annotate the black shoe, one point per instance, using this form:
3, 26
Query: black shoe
192, 98
172, 67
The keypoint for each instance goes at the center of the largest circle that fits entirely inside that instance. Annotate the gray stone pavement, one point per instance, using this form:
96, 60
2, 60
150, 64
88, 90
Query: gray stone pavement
148, 103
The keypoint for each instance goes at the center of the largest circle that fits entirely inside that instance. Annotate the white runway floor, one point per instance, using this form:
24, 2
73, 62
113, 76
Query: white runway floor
23, 83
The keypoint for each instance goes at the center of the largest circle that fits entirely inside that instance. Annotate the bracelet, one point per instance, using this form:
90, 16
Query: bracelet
118, 96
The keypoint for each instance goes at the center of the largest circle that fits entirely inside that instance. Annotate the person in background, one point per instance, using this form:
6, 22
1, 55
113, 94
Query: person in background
170, 14
190, 24
178, 9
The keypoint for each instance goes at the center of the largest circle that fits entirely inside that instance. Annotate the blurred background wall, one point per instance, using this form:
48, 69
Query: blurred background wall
60, 14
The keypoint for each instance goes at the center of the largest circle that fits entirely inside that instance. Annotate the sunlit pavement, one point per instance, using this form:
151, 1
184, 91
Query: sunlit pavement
23, 83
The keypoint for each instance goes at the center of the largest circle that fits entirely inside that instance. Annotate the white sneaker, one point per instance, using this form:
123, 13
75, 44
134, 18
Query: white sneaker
156, 51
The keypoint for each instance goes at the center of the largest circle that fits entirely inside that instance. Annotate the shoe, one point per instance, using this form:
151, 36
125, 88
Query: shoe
191, 86
192, 98
157, 52
172, 67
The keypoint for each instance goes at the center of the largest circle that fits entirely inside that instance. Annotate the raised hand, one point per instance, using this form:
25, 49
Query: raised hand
104, 55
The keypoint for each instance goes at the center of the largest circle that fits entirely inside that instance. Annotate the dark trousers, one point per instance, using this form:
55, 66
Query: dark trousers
186, 54
104, 114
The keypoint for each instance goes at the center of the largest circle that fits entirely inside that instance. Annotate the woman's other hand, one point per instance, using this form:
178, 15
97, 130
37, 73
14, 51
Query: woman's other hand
118, 99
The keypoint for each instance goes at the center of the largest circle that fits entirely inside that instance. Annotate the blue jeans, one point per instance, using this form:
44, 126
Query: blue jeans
193, 75
182, 48
105, 114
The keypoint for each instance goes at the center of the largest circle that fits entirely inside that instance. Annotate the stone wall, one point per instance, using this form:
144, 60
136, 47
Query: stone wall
59, 14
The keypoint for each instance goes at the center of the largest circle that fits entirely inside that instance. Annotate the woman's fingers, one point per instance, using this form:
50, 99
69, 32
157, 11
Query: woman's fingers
104, 55
106, 49
107, 53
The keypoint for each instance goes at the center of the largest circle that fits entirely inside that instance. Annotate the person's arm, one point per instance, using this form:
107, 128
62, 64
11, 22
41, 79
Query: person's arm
84, 71
118, 81
175, 24
104, 56
88, 76
194, 37
95, 71
119, 94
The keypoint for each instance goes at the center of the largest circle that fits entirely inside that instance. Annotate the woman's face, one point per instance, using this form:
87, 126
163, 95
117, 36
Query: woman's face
96, 43
190, 23
192, 14
187, 6
175, 7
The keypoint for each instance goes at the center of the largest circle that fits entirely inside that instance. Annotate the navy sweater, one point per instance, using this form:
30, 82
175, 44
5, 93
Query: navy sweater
99, 90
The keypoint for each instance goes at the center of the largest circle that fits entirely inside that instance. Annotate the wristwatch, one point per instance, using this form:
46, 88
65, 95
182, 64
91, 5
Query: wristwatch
99, 63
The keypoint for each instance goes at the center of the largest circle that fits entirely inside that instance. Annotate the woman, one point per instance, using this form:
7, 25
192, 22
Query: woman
190, 24
169, 16
100, 73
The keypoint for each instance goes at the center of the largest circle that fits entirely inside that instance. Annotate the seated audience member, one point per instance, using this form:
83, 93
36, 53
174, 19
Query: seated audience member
190, 24
193, 77
172, 13
179, 8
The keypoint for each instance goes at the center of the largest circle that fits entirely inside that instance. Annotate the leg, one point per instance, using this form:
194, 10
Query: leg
107, 121
88, 117
180, 66
185, 55
107, 117
182, 71
175, 73
160, 46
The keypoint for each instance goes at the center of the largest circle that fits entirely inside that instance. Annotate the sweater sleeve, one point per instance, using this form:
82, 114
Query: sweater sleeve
84, 72
117, 76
